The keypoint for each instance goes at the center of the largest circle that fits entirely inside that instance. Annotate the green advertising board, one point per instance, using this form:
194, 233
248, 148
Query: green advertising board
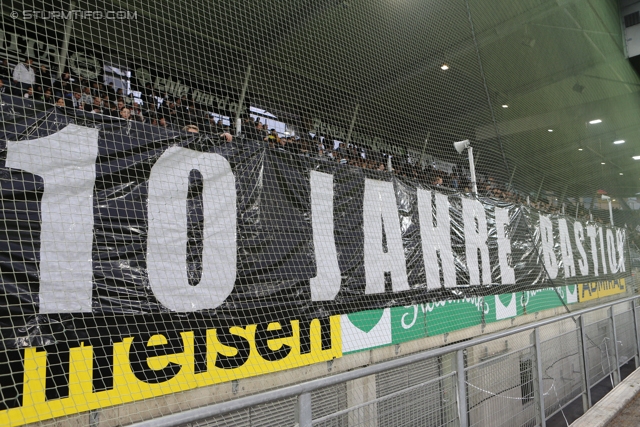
421, 320
504, 306
378, 328
452, 315
365, 330
408, 323
538, 300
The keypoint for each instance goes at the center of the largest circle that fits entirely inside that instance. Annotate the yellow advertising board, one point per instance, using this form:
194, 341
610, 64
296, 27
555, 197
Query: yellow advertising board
144, 368
605, 288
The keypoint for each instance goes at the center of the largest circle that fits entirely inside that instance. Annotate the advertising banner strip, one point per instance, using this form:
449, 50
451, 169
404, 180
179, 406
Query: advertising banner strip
156, 365
601, 289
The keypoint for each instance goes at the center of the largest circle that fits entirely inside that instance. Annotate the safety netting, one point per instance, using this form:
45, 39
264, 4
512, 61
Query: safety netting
195, 193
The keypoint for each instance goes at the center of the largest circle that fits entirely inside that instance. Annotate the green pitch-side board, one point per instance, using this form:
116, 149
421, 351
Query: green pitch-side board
377, 328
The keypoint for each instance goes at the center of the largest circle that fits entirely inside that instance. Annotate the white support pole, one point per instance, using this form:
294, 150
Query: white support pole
540, 188
511, 179
353, 122
610, 212
424, 147
472, 171
241, 100
64, 50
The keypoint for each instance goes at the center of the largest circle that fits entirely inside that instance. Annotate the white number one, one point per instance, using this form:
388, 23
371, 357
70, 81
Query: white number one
66, 162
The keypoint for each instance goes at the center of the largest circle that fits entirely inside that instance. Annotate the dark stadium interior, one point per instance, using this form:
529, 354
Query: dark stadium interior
557, 65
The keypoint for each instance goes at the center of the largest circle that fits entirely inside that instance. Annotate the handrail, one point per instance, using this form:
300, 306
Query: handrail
196, 414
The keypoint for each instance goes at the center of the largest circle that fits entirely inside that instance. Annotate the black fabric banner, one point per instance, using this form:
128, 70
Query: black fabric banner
277, 254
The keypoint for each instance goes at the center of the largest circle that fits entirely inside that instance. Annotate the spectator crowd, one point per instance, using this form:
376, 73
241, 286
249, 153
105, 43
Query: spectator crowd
180, 113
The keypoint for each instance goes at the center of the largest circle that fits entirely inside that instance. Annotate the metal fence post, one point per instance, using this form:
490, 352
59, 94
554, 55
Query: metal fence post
616, 373
462, 389
538, 382
304, 416
584, 366
635, 327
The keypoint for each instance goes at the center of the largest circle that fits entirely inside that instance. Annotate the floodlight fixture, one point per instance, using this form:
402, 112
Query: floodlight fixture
460, 146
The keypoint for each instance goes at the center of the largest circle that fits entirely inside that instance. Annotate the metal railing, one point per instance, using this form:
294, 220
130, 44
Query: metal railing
521, 376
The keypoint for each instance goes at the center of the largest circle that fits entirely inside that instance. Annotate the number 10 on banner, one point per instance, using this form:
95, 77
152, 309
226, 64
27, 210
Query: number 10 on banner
66, 163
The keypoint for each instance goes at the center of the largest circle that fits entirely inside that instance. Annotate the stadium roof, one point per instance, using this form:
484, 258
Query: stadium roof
555, 64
